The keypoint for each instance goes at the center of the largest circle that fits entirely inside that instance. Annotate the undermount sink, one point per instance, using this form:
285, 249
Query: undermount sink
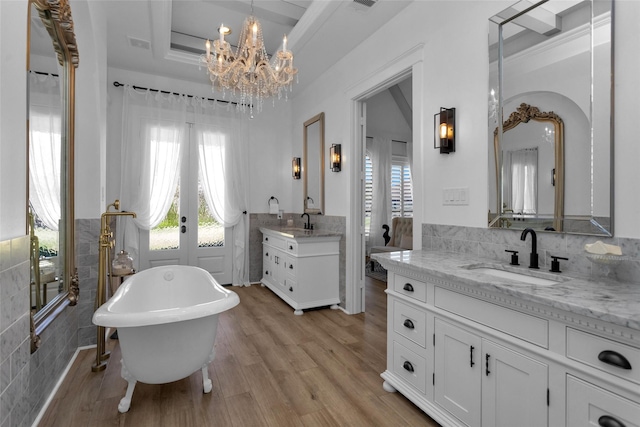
512, 275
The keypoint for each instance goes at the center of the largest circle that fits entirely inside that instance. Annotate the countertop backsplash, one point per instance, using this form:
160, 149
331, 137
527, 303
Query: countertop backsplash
492, 243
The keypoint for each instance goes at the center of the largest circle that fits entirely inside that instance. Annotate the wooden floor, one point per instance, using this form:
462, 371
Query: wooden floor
272, 368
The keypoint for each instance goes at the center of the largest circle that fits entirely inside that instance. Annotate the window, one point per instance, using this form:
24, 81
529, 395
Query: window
401, 189
368, 193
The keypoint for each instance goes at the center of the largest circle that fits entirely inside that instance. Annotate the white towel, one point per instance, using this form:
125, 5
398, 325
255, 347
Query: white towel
273, 207
601, 248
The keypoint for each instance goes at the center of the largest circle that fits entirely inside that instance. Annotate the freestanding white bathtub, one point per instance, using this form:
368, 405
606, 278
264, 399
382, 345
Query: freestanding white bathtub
167, 318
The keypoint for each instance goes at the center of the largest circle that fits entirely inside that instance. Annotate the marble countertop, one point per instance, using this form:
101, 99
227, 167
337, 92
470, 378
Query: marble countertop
298, 233
609, 301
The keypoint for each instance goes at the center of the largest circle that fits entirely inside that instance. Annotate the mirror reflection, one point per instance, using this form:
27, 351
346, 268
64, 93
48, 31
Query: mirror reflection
313, 165
45, 156
51, 61
556, 56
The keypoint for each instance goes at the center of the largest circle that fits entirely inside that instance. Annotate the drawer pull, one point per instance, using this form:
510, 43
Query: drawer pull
266, 254
408, 287
408, 324
408, 366
471, 362
607, 421
487, 363
290, 266
290, 247
614, 358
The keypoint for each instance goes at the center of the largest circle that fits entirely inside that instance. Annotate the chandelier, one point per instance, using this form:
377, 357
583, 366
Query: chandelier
248, 72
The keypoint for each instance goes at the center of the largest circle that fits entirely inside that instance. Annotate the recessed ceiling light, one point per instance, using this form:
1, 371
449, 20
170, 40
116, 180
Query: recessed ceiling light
224, 30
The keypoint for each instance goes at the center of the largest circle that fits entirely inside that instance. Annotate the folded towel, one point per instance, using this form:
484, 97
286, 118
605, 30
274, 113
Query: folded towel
600, 248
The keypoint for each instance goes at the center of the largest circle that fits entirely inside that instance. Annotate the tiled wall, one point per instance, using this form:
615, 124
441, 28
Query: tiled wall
492, 243
14, 332
87, 247
336, 224
27, 380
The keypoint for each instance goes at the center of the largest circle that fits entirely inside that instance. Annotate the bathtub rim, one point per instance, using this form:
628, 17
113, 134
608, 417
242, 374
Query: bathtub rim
105, 316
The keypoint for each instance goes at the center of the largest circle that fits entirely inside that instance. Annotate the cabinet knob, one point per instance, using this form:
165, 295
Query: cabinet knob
290, 266
614, 358
266, 273
290, 247
266, 254
408, 324
266, 239
290, 288
408, 287
607, 421
408, 366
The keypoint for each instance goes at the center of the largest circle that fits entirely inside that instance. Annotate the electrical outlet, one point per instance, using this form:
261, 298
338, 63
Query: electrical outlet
280, 214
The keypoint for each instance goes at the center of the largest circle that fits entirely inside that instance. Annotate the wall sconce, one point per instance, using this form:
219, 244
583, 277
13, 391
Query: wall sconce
444, 124
335, 158
295, 167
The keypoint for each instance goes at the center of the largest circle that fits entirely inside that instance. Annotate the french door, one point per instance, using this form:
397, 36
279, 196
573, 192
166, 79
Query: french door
189, 234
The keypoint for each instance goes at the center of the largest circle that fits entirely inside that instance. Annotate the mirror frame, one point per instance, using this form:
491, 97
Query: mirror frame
318, 118
57, 19
523, 114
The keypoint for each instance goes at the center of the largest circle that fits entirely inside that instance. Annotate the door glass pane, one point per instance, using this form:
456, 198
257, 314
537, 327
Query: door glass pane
210, 231
166, 235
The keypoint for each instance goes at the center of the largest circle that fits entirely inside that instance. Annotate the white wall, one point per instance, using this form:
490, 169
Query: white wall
91, 107
13, 126
456, 75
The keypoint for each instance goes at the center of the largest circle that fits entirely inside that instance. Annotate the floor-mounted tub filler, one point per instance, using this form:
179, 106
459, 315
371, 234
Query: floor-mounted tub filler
167, 319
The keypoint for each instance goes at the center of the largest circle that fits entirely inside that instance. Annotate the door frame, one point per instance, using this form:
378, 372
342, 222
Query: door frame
408, 63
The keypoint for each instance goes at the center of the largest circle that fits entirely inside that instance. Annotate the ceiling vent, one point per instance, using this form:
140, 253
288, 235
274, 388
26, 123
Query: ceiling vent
366, 3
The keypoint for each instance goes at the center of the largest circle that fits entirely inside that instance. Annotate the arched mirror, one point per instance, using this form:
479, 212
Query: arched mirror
530, 177
552, 60
313, 165
51, 63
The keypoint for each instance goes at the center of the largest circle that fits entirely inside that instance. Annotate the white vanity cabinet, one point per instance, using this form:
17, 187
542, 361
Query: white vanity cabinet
469, 356
301, 267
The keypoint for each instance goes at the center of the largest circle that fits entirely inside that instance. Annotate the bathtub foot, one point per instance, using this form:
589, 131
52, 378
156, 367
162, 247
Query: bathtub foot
206, 382
335, 307
125, 402
298, 312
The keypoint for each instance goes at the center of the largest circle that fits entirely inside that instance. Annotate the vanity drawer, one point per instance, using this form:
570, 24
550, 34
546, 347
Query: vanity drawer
275, 242
520, 325
411, 323
410, 287
409, 366
291, 246
589, 405
607, 355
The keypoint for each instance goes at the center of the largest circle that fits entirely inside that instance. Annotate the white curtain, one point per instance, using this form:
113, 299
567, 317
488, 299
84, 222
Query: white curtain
524, 180
380, 152
154, 132
223, 163
45, 121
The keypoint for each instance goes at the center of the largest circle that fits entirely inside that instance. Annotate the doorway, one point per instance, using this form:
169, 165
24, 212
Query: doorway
189, 234
408, 64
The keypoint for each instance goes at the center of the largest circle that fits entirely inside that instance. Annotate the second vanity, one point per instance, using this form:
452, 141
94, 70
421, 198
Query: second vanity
475, 343
301, 266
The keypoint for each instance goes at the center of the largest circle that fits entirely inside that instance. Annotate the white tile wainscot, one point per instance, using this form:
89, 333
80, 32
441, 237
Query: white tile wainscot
301, 266
472, 349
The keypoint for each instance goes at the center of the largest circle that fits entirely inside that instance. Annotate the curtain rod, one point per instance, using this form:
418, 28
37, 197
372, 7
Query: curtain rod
118, 84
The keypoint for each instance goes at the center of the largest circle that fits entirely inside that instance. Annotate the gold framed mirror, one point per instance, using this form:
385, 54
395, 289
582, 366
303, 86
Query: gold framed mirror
52, 58
313, 164
530, 175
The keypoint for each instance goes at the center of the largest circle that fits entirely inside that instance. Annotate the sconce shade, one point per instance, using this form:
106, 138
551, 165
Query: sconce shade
295, 167
444, 124
335, 158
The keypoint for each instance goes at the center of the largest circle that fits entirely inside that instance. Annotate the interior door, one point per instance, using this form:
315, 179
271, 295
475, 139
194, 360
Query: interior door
189, 235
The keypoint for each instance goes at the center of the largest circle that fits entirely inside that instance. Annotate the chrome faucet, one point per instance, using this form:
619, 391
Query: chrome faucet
533, 258
307, 225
